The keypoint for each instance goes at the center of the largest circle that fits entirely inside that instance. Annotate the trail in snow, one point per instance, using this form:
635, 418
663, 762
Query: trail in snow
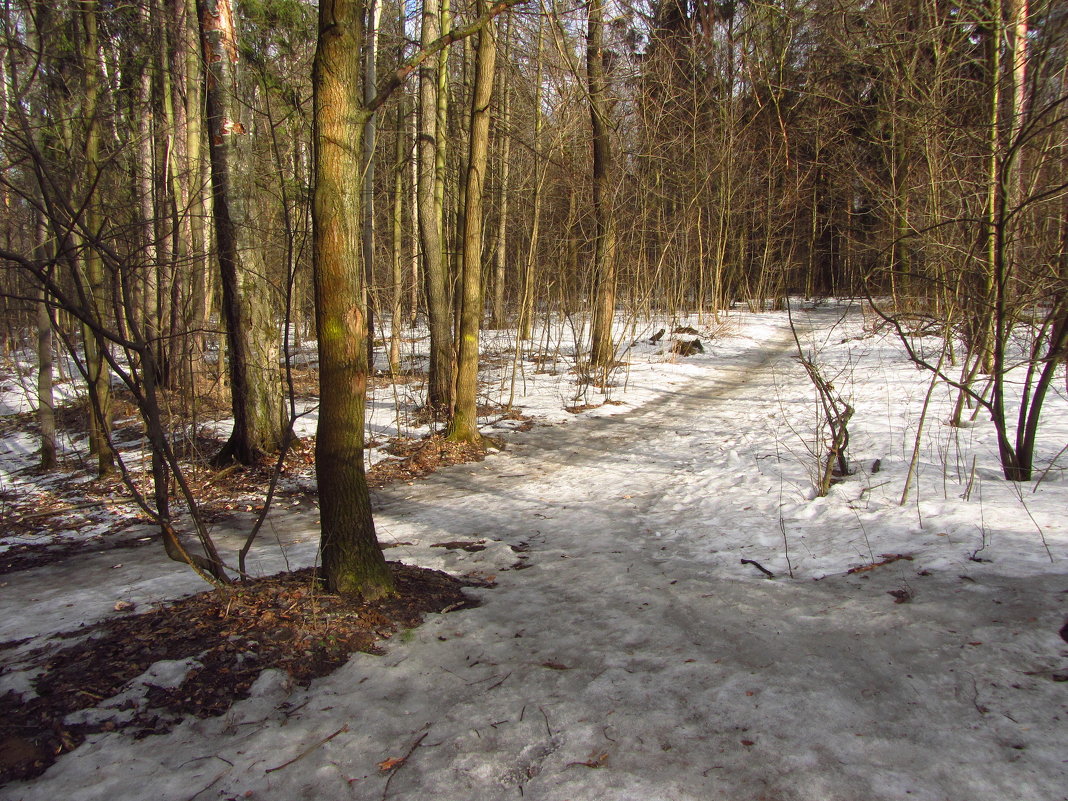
637, 643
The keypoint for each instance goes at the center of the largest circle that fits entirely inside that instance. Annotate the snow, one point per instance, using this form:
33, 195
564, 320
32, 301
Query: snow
636, 657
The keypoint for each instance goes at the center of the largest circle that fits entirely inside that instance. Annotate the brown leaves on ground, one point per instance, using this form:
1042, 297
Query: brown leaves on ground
421, 457
585, 407
902, 596
286, 621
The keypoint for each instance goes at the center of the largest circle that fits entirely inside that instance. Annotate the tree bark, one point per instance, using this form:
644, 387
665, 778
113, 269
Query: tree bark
367, 167
352, 560
464, 424
526, 305
602, 350
252, 331
396, 274
439, 382
500, 256
46, 415
98, 377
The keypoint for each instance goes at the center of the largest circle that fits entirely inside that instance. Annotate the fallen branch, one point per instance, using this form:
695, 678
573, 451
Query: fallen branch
759, 567
309, 749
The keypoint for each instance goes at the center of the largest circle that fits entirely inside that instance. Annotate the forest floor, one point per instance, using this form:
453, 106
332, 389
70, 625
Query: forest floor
621, 648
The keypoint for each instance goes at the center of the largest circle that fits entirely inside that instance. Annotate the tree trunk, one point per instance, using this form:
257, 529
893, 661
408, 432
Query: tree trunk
46, 415
526, 304
500, 256
1020, 29
464, 424
184, 105
352, 560
415, 241
98, 376
367, 168
198, 202
439, 382
148, 286
252, 331
602, 351
396, 275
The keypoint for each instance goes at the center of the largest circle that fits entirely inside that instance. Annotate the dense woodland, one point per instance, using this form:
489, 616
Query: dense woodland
192, 188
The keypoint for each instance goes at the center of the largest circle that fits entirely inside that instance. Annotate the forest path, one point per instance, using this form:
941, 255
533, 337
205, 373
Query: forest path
635, 657
608, 473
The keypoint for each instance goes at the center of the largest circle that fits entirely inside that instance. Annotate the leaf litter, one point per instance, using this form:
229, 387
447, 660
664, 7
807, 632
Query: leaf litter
284, 622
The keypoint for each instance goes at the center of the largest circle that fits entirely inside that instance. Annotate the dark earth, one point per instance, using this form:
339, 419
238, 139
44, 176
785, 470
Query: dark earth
286, 621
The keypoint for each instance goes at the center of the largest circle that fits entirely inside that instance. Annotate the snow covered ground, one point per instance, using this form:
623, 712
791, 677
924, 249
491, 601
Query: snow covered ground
634, 656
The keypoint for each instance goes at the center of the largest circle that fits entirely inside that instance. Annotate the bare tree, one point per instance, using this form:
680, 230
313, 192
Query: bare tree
463, 426
247, 303
602, 353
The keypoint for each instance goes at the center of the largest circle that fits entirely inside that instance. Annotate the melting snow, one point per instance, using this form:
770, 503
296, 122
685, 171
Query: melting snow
638, 657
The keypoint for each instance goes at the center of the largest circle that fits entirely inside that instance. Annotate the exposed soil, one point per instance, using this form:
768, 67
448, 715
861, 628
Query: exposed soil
286, 621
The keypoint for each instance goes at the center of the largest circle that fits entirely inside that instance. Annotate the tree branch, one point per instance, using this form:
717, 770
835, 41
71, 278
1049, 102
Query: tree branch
400, 75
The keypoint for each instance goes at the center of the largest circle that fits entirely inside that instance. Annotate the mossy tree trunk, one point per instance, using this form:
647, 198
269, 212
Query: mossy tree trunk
464, 423
352, 560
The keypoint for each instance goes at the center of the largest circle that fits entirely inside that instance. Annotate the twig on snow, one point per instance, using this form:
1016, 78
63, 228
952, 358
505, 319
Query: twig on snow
595, 761
211, 784
759, 567
548, 728
395, 765
309, 749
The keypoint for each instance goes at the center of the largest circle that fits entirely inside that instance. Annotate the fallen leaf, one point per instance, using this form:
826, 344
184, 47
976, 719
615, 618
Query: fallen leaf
555, 666
390, 764
901, 596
